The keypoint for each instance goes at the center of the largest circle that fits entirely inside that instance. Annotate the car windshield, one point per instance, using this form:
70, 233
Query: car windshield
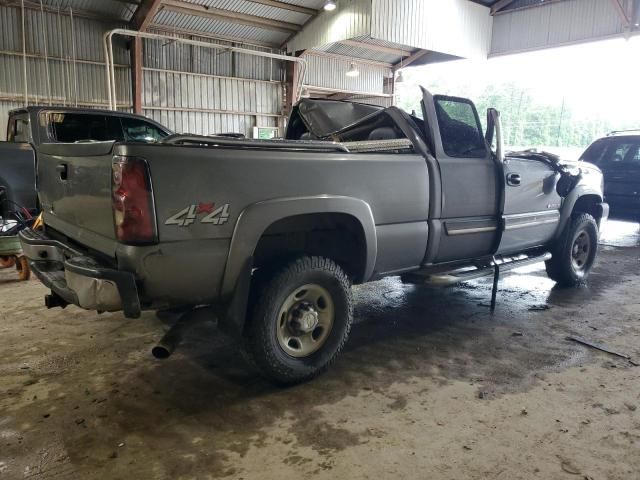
613, 151
138, 130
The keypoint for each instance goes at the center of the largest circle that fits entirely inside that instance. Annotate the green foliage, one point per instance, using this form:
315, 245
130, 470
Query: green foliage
527, 121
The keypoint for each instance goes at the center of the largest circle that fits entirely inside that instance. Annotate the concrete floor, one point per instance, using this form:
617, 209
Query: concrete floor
431, 386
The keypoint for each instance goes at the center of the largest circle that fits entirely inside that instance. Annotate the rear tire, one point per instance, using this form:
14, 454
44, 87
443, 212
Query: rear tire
301, 320
575, 252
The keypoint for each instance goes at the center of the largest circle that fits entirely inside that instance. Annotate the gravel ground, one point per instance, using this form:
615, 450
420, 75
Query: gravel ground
432, 385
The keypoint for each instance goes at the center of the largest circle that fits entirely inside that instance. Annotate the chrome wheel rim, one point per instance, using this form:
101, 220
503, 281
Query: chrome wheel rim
580, 251
305, 320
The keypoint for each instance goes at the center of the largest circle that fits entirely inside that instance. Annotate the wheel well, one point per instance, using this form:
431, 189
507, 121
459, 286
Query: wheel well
590, 204
334, 235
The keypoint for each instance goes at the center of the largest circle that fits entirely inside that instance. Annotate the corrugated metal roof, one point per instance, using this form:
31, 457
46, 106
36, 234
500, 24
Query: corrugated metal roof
257, 9
317, 4
110, 9
169, 19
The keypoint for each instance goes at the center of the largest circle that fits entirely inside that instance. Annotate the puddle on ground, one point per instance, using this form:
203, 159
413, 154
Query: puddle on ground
616, 233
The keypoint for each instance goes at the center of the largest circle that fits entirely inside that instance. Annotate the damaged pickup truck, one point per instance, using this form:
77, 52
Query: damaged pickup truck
274, 233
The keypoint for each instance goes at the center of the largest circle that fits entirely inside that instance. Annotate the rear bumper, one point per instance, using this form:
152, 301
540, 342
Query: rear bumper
79, 279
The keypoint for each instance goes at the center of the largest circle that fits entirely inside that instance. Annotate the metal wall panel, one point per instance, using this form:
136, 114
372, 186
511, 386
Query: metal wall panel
207, 104
82, 82
554, 24
351, 19
57, 26
381, 101
454, 27
330, 72
176, 56
205, 91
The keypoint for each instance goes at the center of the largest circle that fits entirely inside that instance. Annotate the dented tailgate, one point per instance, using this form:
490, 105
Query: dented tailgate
74, 184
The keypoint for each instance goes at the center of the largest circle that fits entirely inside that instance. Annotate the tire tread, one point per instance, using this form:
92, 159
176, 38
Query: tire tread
258, 349
558, 267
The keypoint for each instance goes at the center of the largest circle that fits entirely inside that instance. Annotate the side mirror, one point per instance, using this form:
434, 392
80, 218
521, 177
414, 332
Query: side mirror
494, 130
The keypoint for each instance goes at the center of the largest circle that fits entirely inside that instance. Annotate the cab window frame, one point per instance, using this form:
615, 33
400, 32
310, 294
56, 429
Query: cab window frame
13, 129
147, 124
481, 149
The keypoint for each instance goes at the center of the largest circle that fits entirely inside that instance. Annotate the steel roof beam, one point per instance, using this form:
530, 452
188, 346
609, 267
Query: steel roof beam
410, 59
144, 14
186, 8
626, 21
500, 5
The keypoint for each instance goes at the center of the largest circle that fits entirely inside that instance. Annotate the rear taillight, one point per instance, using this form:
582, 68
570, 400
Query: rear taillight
134, 214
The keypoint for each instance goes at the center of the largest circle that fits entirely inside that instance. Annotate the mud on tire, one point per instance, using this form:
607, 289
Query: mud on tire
304, 291
574, 252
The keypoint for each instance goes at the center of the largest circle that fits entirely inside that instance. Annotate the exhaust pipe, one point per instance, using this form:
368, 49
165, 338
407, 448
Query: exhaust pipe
170, 341
54, 300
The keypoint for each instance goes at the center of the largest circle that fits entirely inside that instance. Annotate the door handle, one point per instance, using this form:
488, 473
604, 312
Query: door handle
513, 179
62, 170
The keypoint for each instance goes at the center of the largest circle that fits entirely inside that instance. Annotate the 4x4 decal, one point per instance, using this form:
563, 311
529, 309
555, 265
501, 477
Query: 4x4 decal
190, 214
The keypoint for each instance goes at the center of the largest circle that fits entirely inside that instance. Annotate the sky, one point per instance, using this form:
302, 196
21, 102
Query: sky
600, 79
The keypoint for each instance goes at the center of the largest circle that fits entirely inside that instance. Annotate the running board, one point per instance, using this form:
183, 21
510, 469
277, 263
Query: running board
443, 279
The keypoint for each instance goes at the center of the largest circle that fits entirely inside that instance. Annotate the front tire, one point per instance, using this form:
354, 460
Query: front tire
301, 320
575, 252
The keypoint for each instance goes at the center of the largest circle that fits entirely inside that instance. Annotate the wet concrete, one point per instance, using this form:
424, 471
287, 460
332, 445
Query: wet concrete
431, 385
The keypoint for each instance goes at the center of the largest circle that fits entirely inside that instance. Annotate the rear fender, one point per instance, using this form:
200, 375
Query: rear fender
254, 221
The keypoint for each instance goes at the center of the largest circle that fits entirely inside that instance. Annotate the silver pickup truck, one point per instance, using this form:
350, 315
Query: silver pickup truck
273, 233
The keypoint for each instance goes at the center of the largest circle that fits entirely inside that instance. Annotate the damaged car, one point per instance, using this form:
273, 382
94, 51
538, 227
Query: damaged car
273, 233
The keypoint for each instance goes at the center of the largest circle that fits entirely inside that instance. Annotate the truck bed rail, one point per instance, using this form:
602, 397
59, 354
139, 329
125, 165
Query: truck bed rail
257, 144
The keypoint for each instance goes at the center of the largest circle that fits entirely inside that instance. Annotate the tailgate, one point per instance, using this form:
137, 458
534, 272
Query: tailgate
74, 186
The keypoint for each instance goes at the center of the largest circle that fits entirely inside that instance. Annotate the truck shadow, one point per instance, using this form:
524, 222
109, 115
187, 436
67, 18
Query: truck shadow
402, 335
